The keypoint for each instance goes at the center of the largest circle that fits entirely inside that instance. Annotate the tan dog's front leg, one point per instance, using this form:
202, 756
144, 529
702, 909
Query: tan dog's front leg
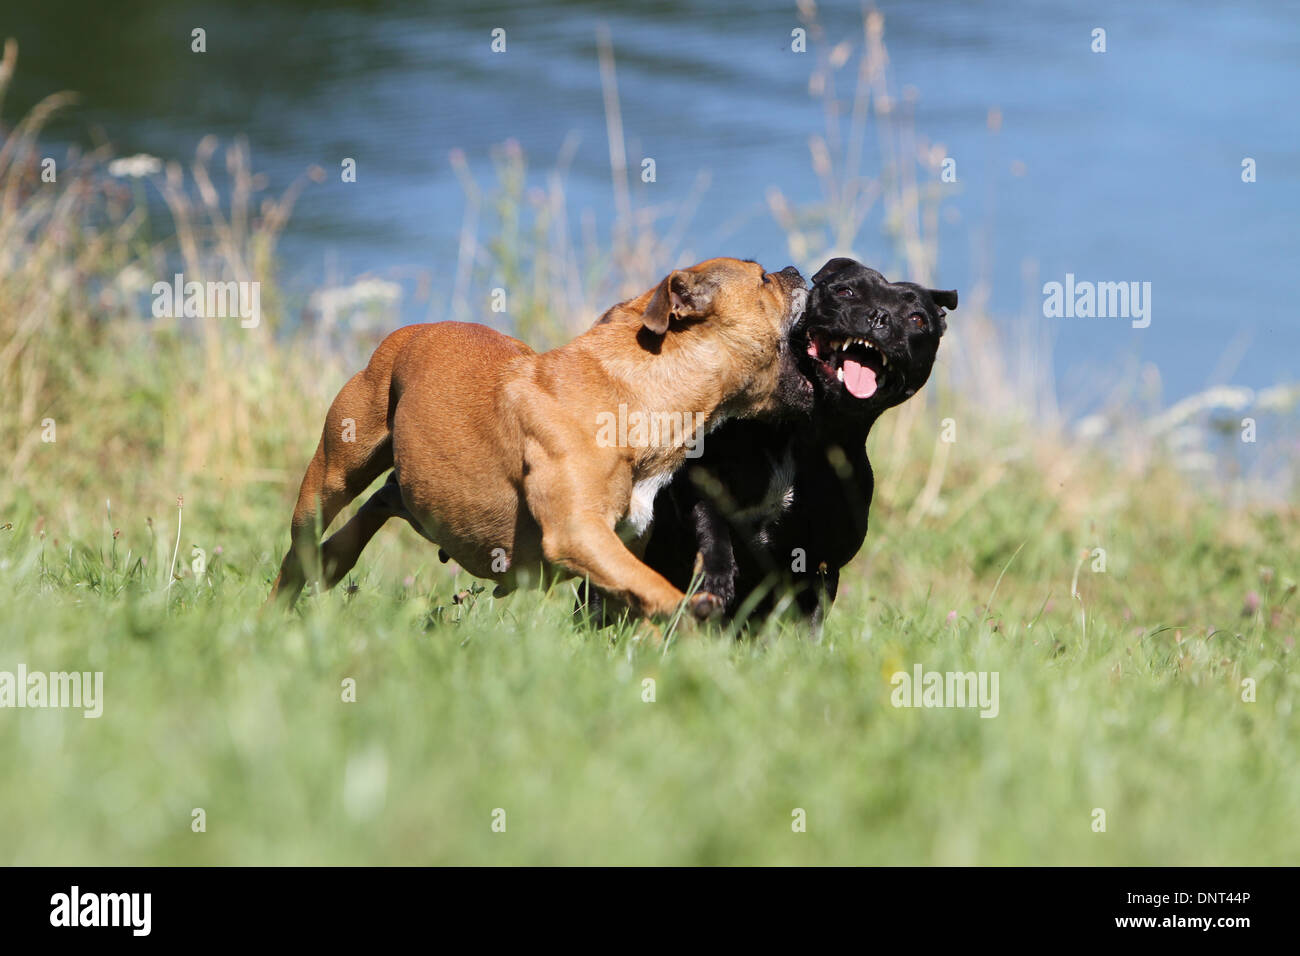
573, 499
589, 548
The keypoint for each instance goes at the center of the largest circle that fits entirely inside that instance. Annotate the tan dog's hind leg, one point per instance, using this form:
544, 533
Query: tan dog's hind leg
355, 448
339, 554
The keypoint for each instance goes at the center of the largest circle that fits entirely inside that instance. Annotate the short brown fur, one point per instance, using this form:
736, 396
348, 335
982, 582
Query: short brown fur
494, 446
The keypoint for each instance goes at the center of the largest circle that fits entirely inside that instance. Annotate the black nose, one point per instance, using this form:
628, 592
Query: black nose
791, 273
879, 319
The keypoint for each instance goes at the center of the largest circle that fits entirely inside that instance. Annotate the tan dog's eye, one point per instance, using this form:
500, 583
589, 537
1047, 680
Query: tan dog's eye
767, 279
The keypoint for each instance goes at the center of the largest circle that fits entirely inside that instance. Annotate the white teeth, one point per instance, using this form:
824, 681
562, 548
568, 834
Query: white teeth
839, 374
843, 345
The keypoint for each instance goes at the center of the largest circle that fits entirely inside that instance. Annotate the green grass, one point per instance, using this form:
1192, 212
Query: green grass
462, 709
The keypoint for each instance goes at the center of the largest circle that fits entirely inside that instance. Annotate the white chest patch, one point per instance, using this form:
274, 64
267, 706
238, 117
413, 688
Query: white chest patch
776, 501
780, 491
778, 496
641, 508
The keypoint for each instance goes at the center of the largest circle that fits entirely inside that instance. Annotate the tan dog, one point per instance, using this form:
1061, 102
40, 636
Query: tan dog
498, 451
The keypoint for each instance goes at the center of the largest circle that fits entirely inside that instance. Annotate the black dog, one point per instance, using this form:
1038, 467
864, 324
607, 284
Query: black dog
778, 508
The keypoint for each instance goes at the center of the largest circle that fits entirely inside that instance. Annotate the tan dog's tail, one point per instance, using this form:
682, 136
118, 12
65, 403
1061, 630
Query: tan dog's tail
355, 448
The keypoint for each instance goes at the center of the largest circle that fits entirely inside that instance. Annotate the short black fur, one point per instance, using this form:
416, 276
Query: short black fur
777, 509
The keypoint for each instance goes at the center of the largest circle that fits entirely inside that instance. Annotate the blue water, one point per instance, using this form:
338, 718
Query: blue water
1122, 166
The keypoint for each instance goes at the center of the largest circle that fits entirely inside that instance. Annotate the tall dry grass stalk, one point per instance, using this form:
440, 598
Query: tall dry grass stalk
97, 392
560, 281
881, 197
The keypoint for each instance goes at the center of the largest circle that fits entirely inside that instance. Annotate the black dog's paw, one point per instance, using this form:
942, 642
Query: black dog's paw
705, 606
721, 586
717, 578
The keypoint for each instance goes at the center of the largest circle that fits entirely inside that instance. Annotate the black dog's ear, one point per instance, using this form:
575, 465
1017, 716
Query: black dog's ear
832, 267
945, 300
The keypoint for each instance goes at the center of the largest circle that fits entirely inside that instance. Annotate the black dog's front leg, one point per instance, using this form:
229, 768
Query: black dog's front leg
816, 599
593, 609
589, 606
715, 559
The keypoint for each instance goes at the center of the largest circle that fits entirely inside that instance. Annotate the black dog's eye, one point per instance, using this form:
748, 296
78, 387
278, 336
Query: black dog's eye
918, 320
844, 292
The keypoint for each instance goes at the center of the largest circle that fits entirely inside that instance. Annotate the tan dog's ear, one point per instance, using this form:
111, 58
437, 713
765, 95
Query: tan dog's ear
681, 294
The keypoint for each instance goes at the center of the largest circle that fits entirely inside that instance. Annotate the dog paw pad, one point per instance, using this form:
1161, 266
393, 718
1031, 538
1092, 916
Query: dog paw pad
705, 605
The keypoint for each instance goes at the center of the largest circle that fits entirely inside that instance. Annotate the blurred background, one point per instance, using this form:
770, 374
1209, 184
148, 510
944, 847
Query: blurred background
1122, 166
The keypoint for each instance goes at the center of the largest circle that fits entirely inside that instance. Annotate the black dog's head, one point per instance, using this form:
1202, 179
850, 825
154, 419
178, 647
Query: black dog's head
867, 344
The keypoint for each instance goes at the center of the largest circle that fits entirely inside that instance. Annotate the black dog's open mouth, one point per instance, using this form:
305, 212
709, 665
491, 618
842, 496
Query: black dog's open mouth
854, 362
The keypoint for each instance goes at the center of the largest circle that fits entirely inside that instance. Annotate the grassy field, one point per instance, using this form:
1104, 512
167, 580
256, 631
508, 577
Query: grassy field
1122, 671
463, 709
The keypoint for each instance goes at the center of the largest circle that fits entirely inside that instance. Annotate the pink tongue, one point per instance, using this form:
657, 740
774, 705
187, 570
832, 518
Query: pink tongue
859, 379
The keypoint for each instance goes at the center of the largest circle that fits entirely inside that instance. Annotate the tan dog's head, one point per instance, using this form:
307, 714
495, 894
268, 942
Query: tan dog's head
736, 316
